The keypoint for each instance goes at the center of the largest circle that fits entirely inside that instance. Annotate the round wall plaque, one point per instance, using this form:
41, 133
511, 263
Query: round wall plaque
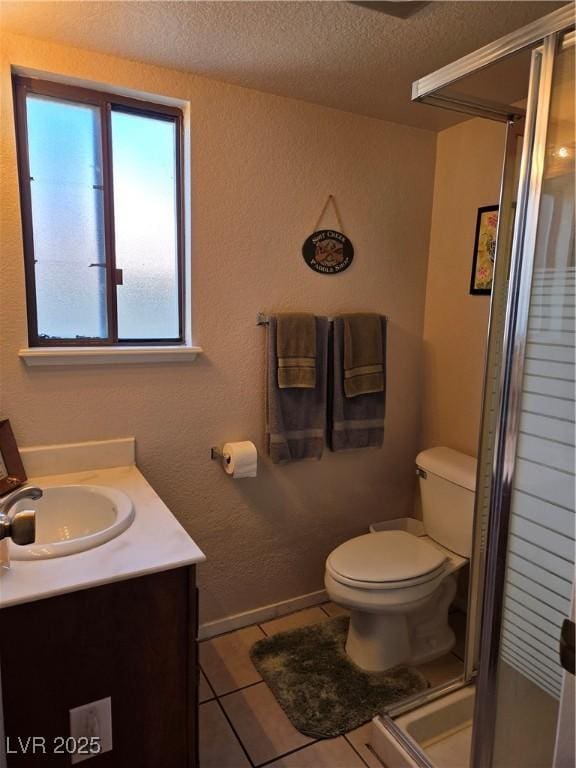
328, 251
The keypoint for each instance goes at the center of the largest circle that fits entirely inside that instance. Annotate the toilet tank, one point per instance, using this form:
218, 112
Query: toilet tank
447, 488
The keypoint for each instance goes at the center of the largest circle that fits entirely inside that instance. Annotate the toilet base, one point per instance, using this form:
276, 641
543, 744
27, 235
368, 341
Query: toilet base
430, 634
415, 634
365, 645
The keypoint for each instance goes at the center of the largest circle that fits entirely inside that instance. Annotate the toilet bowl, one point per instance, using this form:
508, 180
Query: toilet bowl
399, 586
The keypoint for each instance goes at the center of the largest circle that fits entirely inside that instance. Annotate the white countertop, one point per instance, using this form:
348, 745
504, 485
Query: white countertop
154, 542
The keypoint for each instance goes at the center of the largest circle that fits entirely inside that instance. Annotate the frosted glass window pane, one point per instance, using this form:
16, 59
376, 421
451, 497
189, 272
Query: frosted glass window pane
67, 218
145, 222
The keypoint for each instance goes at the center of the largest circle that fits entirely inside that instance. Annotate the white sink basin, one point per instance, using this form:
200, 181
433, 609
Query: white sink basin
74, 518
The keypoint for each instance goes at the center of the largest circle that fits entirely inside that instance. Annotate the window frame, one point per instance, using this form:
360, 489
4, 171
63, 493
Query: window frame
106, 103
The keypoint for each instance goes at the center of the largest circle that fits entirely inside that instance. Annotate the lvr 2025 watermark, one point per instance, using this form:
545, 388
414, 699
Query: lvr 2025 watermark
53, 745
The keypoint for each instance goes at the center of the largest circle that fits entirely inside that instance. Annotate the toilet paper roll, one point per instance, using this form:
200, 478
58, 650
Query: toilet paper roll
240, 459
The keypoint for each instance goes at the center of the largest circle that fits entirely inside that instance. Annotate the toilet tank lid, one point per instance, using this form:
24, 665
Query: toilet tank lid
456, 467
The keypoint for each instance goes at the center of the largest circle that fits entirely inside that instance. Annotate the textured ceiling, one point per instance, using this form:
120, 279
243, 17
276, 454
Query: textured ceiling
332, 53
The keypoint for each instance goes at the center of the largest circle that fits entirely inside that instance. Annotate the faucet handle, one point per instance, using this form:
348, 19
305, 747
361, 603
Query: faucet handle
21, 528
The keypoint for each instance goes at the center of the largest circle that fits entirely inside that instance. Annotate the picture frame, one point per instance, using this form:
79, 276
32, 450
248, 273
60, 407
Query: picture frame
484, 251
12, 474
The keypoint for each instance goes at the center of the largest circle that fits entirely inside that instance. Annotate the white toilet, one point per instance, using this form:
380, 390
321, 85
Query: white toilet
399, 586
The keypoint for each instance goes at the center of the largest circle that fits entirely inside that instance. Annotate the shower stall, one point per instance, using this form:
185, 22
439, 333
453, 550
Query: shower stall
520, 632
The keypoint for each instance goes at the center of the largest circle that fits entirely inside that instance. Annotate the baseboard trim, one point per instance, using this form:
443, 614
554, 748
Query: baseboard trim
258, 615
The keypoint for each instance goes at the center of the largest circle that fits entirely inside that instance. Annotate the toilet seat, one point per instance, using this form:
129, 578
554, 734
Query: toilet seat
386, 560
386, 585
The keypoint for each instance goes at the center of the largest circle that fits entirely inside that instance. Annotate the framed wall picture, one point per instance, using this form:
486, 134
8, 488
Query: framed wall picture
484, 250
12, 474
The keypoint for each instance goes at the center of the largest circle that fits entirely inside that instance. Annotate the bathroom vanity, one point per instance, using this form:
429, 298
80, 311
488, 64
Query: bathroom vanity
115, 621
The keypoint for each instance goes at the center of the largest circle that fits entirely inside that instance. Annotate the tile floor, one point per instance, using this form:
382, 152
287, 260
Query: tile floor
241, 723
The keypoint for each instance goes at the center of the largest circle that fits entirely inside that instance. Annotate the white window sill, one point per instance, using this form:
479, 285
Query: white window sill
43, 356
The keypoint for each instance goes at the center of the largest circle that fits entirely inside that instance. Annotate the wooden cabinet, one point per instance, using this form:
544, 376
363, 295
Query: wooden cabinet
134, 641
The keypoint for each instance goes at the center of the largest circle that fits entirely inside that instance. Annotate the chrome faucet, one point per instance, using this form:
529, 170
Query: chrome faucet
28, 492
20, 527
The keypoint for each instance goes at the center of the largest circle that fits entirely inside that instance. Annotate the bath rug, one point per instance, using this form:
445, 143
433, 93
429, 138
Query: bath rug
323, 693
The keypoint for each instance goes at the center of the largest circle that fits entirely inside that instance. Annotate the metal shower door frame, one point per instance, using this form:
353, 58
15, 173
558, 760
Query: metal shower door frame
510, 388
426, 90
509, 394
492, 373
488, 568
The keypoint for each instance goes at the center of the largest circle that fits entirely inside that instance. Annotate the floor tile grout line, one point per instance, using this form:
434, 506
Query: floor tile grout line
318, 605
266, 635
355, 750
260, 625
310, 744
273, 759
283, 754
287, 754
218, 698
261, 680
299, 626
228, 632
201, 671
238, 690
234, 690
371, 749
238, 739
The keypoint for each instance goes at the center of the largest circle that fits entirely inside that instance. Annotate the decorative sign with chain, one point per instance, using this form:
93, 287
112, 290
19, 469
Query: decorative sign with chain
328, 251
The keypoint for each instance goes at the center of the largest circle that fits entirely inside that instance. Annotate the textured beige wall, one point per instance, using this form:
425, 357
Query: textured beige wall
262, 167
469, 160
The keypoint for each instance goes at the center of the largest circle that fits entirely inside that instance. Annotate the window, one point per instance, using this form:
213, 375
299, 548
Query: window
101, 197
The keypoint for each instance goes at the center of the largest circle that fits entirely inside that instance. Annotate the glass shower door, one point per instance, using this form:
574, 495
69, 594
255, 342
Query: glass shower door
521, 681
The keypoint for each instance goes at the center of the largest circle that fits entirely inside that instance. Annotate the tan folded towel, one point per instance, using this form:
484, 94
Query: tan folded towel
363, 358
296, 351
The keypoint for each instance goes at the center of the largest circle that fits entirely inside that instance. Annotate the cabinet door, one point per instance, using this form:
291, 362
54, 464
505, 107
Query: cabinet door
133, 641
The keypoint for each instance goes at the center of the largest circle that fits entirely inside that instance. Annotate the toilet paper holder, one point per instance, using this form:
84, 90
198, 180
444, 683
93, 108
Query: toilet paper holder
217, 455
